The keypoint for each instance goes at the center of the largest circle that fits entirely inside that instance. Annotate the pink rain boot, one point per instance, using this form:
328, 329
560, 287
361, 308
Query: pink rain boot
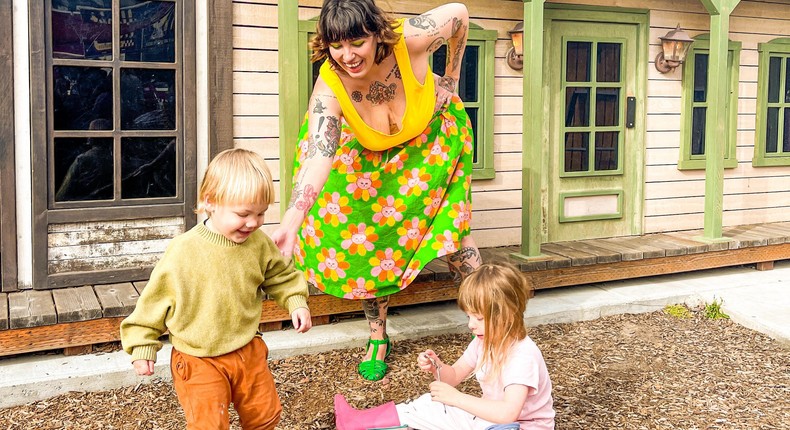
380, 417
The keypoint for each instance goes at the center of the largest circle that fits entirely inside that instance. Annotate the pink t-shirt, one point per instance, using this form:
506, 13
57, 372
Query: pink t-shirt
524, 366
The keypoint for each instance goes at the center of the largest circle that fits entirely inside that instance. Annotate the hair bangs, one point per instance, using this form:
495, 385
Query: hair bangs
236, 176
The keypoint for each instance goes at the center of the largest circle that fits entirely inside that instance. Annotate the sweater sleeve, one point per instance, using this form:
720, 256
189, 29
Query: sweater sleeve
283, 283
141, 330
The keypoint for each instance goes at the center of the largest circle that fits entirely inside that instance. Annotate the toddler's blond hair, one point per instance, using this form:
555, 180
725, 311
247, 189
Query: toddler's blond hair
236, 176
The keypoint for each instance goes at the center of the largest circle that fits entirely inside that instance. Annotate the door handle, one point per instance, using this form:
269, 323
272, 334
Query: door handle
630, 111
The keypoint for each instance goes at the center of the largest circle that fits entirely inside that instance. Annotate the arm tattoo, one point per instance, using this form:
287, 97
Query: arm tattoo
447, 83
332, 136
436, 44
423, 22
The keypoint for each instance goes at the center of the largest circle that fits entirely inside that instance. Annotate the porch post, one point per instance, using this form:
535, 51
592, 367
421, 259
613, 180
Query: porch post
532, 129
716, 126
288, 60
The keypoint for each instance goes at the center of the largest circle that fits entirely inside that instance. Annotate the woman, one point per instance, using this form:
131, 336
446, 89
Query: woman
382, 183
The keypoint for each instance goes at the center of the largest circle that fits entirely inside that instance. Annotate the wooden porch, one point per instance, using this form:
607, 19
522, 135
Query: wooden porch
76, 318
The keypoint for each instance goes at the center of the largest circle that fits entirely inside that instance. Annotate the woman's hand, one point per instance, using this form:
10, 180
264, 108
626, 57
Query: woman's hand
285, 239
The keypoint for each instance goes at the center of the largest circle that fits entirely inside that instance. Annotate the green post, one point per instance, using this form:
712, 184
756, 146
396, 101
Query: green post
532, 129
288, 62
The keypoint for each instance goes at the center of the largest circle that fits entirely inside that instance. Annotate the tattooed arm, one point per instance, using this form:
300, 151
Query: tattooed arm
323, 138
447, 24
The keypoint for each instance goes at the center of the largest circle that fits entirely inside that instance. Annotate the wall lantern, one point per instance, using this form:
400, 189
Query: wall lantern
674, 46
515, 55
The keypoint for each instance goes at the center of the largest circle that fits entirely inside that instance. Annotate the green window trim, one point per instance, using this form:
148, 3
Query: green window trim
687, 160
485, 41
777, 48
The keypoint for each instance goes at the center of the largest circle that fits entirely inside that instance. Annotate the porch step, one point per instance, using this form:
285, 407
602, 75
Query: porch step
36, 320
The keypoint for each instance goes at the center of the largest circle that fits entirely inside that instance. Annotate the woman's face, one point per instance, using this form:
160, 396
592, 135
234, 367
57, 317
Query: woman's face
356, 56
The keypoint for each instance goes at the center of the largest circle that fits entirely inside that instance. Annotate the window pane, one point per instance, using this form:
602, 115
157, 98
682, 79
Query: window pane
786, 132
577, 107
608, 62
772, 130
148, 99
148, 31
440, 60
576, 152
774, 78
577, 65
467, 88
606, 150
698, 131
787, 80
82, 29
607, 107
83, 169
81, 95
472, 112
148, 167
700, 77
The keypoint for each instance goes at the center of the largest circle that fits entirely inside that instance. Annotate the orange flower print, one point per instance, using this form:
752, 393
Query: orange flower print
422, 138
456, 172
312, 232
359, 289
388, 210
363, 185
461, 214
396, 163
386, 265
445, 243
449, 126
437, 153
334, 208
410, 274
358, 239
411, 233
414, 182
332, 264
372, 156
467, 140
347, 160
433, 201
314, 279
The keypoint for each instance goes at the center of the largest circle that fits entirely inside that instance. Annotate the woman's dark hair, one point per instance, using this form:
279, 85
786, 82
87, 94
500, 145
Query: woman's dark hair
350, 20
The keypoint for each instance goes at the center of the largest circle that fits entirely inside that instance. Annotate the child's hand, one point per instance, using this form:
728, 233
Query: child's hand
301, 320
444, 393
427, 359
143, 367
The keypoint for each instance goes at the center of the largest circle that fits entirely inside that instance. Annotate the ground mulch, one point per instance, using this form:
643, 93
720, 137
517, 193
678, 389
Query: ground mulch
645, 371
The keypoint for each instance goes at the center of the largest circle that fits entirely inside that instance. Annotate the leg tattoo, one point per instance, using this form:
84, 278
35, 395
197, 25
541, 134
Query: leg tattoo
376, 314
463, 262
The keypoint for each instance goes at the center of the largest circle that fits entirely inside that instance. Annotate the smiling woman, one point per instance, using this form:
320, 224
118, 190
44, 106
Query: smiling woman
382, 178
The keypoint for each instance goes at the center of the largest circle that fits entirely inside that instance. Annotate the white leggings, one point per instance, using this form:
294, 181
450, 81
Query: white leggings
425, 414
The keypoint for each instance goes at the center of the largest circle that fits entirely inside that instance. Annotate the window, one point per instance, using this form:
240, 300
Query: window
772, 146
593, 75
476, 88
696, 101
115, 105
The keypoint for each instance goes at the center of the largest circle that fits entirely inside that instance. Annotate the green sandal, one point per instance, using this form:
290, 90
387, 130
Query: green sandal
374, 369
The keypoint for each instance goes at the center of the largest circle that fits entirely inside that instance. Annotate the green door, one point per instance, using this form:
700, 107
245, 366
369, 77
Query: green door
595, 146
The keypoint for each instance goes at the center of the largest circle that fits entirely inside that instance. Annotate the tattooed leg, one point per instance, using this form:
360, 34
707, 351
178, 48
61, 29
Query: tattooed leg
465, 261
376, 314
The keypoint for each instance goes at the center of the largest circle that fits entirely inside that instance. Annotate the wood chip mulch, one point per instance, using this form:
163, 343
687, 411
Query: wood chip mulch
646, 371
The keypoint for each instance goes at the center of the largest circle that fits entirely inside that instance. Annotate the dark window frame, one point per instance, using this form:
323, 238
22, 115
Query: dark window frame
41, 129
8, 261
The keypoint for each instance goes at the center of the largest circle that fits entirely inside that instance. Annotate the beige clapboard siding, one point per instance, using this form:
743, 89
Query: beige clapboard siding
109, 244
748, 190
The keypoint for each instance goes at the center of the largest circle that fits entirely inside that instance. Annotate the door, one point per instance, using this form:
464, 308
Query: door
595, 150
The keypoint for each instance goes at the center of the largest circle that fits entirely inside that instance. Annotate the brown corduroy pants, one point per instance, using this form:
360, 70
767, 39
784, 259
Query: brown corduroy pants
207, 386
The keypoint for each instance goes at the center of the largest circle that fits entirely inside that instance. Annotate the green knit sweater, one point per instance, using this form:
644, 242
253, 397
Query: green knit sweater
207, 291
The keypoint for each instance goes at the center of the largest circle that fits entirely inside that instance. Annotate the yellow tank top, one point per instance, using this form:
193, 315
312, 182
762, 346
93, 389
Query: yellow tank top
420, 100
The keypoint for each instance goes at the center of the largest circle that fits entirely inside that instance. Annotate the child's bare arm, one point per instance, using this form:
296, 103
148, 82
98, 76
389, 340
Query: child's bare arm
451, 375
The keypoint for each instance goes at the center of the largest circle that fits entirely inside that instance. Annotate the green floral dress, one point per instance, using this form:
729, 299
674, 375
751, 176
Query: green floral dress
383, 215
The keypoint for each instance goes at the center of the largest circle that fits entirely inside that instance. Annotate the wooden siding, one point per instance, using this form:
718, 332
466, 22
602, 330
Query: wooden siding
497, 208
97, 246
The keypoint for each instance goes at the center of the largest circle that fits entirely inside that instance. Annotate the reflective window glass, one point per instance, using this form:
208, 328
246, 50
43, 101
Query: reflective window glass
577, 61
83, 168
148, 167
82, 29
147, 99
606, 145
148, 31
81, 95
608, 69
577, 146
577, 107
